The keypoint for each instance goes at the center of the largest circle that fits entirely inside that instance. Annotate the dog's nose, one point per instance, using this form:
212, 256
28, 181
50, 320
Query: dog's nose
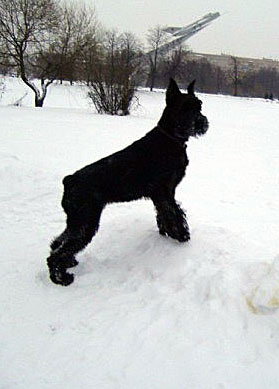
206, 123
202, 123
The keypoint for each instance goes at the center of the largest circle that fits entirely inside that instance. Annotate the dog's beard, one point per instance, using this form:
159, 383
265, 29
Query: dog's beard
201, 126
195, 128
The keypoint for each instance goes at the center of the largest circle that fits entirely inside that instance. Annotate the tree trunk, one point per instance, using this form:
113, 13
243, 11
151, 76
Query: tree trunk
39, 101
235, 76
235, 93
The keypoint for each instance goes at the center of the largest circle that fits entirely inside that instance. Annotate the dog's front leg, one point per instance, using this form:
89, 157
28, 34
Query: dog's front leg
171, 219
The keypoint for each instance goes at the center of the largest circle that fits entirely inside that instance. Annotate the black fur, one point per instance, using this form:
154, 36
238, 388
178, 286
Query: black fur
149, 168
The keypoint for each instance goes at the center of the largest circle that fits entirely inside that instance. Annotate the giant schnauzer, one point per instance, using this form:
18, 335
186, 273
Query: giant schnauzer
149, 168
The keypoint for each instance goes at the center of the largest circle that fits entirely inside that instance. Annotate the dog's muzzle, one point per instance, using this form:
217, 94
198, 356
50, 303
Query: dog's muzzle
201, 125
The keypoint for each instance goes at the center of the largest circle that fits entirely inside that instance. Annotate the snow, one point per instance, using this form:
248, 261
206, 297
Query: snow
144, 311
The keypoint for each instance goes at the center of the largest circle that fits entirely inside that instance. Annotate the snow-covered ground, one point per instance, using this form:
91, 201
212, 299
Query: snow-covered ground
144, 312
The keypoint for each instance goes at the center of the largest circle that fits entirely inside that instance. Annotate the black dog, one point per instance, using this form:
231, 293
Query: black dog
149, 168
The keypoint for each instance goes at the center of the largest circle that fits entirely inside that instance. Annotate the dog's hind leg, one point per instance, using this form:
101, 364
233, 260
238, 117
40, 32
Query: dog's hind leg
58, 241
79, 232
171, 219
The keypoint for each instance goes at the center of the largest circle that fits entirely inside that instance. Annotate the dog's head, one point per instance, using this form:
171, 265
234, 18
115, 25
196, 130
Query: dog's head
182, 116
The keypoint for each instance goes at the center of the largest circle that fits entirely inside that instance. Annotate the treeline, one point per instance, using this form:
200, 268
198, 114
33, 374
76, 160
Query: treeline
42, 41
235, 80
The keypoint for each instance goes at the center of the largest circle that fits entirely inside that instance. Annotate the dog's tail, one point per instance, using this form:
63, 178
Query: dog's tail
67, 181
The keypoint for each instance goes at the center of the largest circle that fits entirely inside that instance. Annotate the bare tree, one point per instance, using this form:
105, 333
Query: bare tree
156, 37
221, 81
235, 75
76, 38
27, 29
263, 82
174, 63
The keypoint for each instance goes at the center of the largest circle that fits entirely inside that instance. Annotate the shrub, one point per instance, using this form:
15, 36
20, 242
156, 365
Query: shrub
114, 77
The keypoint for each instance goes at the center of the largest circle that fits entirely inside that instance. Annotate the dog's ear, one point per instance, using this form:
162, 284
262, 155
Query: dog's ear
173, 92
191, 87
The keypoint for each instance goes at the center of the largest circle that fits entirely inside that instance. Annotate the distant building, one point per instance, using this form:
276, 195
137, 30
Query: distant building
224, 61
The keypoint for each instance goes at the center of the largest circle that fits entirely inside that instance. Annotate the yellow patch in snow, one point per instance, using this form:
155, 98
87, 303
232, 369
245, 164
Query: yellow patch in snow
257, 307
274, 301
251, 307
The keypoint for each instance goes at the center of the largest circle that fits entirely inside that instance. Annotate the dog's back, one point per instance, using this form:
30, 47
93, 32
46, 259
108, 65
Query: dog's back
132, 173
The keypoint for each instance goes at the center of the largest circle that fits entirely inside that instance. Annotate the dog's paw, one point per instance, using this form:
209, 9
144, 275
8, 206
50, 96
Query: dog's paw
57, 269
182, 235
162, 232
61, 277
68, 263
62, 263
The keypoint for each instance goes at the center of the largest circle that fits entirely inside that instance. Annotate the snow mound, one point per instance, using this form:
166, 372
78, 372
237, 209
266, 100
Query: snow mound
264, 298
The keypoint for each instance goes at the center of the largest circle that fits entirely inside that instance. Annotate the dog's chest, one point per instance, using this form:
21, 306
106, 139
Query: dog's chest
173, 160
169, 167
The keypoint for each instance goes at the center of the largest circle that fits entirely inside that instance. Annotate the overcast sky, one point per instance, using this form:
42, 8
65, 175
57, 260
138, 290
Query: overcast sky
245, 28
